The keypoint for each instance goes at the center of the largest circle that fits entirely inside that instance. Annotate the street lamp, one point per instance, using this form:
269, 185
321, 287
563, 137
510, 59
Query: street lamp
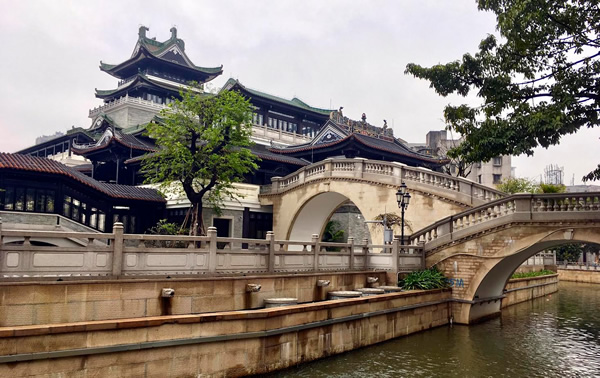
403, 199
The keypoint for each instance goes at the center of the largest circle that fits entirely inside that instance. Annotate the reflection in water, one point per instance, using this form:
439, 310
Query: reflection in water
555, 336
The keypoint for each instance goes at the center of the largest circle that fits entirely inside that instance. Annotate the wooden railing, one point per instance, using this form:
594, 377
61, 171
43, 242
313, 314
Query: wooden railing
30, 254
393, 173
516, 208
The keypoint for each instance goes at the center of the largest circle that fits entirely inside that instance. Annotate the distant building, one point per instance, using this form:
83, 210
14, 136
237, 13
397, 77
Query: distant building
488, 173
45, 138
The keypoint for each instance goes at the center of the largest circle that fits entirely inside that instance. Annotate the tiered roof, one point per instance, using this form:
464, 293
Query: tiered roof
17, 162
170, 54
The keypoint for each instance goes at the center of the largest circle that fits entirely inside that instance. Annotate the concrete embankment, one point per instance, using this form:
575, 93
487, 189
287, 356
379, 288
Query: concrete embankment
524, 289
580, 275
229, 343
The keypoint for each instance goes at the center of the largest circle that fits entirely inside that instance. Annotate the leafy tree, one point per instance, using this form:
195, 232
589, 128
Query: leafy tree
552, 188
538, 82
517, 185
572, 252
203, 142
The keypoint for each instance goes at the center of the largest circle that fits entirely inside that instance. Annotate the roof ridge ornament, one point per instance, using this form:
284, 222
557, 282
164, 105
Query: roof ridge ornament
142, 31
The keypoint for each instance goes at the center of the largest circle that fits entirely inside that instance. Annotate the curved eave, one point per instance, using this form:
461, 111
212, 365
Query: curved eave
295, 103
139, 81
352, 137
86, 151
202, 74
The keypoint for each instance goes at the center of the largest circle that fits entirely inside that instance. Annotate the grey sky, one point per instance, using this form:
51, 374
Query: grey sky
328, 53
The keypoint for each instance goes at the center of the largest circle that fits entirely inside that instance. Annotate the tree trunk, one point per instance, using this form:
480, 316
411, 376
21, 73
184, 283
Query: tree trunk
197, 222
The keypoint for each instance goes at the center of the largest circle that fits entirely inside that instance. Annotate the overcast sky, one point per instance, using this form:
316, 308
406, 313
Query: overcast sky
328, 53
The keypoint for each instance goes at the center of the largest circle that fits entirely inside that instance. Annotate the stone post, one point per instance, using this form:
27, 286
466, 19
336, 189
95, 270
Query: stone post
317, 247
395, 251
359, 169
351, 247
271, 240
212, 249
422, 248
366, 253
117, 263
275, 184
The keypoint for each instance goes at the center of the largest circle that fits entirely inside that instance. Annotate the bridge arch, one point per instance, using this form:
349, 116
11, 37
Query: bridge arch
491, 283
371, 186
483, 246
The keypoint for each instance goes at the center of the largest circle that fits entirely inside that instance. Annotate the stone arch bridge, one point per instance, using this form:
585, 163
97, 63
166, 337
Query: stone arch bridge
304, 200
483, 246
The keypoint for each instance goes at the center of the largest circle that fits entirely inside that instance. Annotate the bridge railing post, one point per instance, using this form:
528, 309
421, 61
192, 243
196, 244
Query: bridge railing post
395, 252
212, 249
117, 263
351, 247
275, 184
359, 169
422, 248
315, 244
271, 240
365, 243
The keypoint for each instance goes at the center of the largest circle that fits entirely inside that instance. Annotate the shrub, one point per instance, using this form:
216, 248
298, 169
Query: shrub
543, 272
424, 280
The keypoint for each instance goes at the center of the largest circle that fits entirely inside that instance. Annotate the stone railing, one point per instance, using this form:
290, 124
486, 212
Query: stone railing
286, 137
516, 208
454, 188
125, 100
30, 254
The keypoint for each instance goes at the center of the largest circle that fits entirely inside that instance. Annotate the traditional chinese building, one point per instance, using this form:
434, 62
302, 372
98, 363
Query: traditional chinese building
288, 134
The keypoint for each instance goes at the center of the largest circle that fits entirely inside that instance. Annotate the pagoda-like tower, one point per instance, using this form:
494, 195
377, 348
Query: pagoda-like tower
148, 80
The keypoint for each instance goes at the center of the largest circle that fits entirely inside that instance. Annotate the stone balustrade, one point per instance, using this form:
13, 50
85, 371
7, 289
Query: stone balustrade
392, 173
31, 254
516, 208
125, 100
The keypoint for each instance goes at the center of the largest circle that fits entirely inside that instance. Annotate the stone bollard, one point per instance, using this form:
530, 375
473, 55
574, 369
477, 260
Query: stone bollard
280, 302
370, 291
344, 294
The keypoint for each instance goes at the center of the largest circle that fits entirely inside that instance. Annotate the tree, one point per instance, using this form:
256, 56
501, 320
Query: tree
517, 185
203, 144
538, 83
333, 232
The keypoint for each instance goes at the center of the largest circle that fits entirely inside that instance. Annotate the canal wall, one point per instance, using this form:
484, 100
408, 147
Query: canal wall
217, 344
524, 289
579, 275
51, 302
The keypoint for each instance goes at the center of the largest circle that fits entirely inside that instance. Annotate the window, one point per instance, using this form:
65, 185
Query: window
497, 161
497, 179
479, 179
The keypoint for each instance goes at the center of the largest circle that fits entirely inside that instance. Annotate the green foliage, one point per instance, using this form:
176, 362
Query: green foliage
538, 82
543, 272
551, 188
166, 228
572, 252
203, 142
333, 232
517, 185
424, 280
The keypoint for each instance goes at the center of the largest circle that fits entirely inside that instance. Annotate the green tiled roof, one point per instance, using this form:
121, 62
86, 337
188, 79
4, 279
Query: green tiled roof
296, 102
156, 48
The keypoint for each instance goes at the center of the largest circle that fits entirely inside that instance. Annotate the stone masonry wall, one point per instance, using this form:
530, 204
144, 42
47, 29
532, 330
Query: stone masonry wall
220, 344
579, 275
50, 302
525, 289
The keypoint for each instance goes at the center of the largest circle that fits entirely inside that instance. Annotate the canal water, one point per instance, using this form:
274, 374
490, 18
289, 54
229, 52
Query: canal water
555, 336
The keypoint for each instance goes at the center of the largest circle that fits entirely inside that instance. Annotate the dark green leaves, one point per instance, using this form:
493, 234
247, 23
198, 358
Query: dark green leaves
539, 84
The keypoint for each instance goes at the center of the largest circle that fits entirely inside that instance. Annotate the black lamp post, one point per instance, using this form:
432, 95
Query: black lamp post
403, 199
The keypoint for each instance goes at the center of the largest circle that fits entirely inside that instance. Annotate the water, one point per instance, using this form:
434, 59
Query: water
555, 336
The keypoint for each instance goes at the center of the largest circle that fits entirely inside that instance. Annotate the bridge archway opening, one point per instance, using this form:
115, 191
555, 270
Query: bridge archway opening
494, 282
314, 215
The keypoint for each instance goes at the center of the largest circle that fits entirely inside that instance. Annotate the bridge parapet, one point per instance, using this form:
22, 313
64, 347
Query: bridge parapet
528, 208
391, 173
138, 255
